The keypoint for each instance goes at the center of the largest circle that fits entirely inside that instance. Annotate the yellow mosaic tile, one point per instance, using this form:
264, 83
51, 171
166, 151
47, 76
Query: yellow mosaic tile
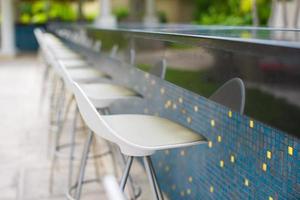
189, 191
189, 120
269, 154
251, 124
167, 168
232, 158
246, 182
212, 123
211, 189
210, 144
168, 103
264, 167
230, 113
219, 138
290, 150
180, 100
222, 163
182, 193
174, 106
182, 153
190, 179
196, 108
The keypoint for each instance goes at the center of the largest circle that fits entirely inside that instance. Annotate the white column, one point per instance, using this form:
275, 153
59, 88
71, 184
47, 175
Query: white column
106, 17
285, 14
150, 15
7, 28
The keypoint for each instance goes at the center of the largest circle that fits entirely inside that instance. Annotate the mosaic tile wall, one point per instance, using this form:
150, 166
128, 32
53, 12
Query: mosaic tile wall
244, 159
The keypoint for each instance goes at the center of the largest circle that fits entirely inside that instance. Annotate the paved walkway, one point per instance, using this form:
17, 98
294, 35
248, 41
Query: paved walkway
24, 165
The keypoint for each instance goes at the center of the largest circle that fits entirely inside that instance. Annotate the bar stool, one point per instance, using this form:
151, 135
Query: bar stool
104, 94
116, 92
157, 133
125, 131
82, 74
52, 49
113, 89
231, 94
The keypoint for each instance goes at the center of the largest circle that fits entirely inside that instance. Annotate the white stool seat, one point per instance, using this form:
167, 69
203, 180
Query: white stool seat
102, 95
85, 75
74, 63
67, 55
151, 132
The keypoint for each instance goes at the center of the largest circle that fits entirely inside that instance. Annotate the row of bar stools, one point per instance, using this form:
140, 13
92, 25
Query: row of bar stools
109, 92
81, 72
124, 130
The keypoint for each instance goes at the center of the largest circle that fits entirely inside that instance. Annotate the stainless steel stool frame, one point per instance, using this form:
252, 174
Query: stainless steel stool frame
80, 180
158, 69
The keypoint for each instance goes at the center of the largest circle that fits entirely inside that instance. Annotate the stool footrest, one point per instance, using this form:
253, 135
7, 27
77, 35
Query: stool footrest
72, 188
60, 154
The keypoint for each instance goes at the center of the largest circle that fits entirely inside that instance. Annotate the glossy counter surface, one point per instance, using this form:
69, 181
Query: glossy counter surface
250, 156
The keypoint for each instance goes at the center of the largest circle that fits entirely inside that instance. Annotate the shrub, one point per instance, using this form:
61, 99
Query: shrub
230, 12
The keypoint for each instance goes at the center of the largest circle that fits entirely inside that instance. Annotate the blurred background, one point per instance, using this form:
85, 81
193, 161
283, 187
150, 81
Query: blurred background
28, 14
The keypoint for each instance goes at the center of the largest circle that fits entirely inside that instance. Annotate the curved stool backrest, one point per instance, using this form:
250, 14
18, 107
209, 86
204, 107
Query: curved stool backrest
231, 94
97, 45
62, 71
94, 120
39, 35
90, 114
159, 69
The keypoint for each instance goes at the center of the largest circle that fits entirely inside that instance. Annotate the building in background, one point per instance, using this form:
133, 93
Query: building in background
27, 14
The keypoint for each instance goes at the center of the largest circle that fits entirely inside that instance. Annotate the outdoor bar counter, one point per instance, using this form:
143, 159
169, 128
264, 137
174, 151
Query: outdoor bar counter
250, 155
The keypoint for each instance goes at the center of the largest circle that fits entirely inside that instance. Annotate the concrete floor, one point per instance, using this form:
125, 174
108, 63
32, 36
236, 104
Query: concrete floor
24, 156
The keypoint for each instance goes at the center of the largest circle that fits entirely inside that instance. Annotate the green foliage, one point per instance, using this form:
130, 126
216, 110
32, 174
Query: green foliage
162, 16
90, 16
121, 13
230, 12
39, 12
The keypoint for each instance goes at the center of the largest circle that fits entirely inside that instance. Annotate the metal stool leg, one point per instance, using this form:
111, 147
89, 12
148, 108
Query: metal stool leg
44, 83
72, 148
83, 164
106, 111
51, 179
126, 173
95, 160
56, 145
155, 178
113, 157
59, 119
152, 178
132, 186
51, 111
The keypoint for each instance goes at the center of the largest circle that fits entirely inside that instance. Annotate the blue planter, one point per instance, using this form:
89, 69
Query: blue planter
25, 39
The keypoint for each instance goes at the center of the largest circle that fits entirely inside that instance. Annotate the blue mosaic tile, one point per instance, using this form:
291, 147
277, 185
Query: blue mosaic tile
198, 173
